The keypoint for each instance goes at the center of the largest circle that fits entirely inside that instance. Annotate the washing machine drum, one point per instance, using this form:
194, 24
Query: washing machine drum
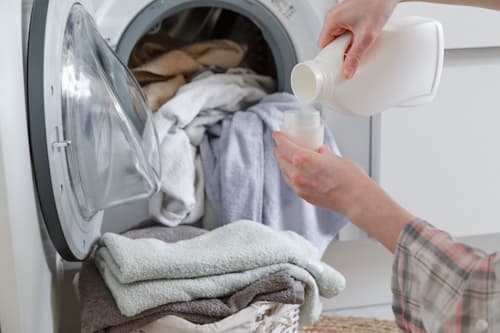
93, 143
265, 27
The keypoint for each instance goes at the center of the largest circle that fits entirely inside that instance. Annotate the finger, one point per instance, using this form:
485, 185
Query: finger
279, 154
290, 166
286, 167
359, 44
286, 147
324, 149
325, 36
289, 182
298, 188
333, 26
296, 179
305, 160
329, 33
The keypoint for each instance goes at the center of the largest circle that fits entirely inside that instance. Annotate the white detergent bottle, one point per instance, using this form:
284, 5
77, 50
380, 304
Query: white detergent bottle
401, 68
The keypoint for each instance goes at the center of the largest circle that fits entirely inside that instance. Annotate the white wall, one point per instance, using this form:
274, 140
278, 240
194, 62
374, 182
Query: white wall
442, 160
463, 26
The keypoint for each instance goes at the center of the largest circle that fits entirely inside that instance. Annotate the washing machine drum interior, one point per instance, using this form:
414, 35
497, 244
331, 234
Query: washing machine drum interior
207, 23
165, 25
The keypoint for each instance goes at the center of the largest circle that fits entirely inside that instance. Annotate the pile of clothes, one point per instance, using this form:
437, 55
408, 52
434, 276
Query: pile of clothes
162, 70
214, 121
155, 278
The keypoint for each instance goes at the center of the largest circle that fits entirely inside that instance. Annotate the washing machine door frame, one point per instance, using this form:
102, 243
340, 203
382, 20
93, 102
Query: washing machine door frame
73, 232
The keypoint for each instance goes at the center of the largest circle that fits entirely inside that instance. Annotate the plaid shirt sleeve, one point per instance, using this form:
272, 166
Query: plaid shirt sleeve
440, 285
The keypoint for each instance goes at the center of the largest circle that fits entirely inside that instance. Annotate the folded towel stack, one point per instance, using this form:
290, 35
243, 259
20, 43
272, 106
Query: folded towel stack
99, 312
204, 276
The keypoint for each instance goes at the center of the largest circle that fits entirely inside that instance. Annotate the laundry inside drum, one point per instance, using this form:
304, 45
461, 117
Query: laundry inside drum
165, 27
193, 41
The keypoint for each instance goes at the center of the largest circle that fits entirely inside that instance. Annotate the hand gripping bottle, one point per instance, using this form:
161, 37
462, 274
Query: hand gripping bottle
401, 68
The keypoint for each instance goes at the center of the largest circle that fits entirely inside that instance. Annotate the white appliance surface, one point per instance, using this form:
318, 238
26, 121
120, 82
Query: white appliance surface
30, 268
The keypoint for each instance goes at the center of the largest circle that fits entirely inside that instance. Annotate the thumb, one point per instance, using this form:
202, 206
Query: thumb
324, 149
359, 44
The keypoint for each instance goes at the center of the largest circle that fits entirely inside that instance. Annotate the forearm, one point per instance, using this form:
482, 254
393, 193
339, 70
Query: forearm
491, 4
329, 181
372, 210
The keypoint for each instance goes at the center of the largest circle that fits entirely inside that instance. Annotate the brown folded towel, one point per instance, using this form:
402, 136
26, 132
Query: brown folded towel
182, 61
99, 312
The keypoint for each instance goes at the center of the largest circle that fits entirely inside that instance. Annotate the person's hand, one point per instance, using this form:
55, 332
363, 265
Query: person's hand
320, 177
364, 19
332, 182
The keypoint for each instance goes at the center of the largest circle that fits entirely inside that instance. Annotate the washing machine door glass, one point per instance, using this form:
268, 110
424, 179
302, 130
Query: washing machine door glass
92, 140
113, 155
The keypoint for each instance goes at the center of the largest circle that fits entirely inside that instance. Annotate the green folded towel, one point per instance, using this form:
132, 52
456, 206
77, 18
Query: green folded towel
146, 273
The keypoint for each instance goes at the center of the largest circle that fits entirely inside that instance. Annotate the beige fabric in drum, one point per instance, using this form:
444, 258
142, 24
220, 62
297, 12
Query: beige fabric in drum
163, 73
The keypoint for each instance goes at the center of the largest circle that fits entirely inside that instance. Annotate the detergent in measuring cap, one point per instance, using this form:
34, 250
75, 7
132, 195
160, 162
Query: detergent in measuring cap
304, 127
401, 68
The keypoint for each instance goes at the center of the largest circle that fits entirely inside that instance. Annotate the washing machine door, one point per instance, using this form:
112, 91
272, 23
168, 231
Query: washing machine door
92, 140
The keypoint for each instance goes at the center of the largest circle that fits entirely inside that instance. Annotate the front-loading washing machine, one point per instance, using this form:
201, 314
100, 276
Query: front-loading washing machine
78, 149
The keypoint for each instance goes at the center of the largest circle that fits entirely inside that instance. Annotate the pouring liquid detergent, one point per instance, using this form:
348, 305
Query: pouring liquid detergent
304, 127
401, 68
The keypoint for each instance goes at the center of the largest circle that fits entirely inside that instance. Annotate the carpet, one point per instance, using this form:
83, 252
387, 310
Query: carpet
335, 324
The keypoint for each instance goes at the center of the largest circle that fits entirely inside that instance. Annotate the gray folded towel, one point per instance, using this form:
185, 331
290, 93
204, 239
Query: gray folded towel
99, 312
146, 273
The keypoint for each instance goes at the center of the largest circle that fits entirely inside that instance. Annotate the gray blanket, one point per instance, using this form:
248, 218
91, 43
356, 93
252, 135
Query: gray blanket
243, 180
